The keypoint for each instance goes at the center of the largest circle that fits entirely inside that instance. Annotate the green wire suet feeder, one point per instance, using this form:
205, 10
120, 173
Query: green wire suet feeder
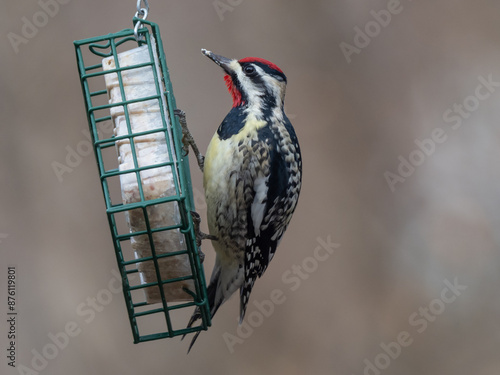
145, 178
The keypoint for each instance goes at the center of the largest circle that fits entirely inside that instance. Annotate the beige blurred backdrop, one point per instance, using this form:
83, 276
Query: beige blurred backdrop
382, 302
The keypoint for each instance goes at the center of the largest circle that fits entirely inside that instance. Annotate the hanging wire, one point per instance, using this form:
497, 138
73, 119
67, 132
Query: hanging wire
142, 13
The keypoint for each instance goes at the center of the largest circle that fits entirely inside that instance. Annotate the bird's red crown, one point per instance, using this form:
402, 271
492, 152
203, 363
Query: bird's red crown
262, 61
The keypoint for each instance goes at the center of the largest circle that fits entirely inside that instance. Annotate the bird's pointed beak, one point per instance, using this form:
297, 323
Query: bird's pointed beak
222, 61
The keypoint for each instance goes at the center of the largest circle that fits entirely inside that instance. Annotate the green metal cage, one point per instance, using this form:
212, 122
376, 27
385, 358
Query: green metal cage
149, 321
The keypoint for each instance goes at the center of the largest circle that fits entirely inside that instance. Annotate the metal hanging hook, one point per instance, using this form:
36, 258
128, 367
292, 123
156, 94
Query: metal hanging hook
142, 13
139, 8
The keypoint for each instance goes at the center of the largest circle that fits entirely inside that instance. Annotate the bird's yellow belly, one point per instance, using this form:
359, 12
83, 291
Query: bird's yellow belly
219, 163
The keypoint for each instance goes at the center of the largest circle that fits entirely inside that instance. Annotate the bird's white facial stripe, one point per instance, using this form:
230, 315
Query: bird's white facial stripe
234, 65
255, 92
272, 84
275, 86
251, 90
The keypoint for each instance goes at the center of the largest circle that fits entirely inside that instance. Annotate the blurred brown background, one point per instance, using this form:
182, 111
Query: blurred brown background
354, 120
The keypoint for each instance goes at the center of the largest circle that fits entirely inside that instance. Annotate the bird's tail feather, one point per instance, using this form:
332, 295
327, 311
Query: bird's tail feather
245, 291
213, 303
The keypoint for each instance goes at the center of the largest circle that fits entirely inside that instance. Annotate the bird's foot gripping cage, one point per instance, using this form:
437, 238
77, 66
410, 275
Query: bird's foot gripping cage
145, 179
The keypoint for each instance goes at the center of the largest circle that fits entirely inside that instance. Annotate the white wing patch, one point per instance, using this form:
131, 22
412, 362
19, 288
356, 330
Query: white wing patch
259, 202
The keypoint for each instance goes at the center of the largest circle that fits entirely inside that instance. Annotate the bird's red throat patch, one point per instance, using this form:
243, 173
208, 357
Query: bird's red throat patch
233, 90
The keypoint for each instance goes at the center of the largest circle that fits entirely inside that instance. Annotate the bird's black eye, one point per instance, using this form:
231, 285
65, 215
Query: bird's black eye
249, 69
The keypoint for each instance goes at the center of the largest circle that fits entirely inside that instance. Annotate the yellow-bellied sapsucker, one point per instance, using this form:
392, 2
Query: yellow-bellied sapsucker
252, 178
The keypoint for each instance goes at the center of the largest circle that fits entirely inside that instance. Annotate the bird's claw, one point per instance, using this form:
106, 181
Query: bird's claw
187, 138
185, 132
200, 236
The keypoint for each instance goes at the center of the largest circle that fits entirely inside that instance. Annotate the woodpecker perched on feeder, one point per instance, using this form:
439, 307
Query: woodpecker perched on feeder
252, 178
